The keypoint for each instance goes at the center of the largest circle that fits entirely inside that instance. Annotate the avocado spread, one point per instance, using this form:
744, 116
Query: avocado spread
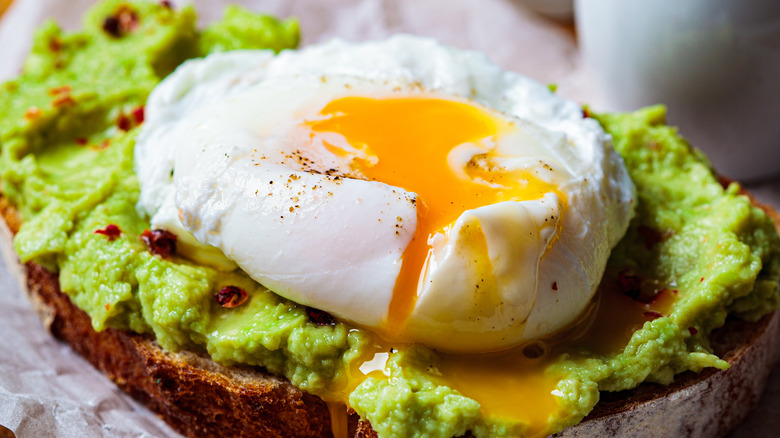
695, 253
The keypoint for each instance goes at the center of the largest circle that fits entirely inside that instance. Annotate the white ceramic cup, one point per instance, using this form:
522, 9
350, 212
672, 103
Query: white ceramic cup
714, 63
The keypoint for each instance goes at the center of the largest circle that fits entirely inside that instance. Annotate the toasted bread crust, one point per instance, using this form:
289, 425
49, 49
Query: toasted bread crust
191, 393
199, 398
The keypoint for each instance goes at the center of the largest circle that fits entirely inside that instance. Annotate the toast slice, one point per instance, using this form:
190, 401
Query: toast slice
199, 398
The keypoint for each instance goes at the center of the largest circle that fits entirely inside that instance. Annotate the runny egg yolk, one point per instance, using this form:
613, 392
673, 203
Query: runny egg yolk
517, 384
409, 141
406, 142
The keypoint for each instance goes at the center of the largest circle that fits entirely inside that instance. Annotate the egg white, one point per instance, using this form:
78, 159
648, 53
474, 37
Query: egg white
219, 163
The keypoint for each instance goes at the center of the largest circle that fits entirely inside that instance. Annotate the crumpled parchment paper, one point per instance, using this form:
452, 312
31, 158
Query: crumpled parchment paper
47, 390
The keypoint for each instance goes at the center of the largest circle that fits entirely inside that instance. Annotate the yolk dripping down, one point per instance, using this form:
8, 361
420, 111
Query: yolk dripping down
411, 139
515, 384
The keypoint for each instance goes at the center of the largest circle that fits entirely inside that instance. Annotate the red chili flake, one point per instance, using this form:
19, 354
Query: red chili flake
63, 100
231, 296
555, 285
693, 331
674, 291
111, 26
166, 4
629, 284
32, 113
107, 306
111, 231
123, 123
160, 242
58, 91
653, 315
650, 235
320, 317
81, 141
138, 115
128, 19
55, 44
585, 113
124, 20
701, 280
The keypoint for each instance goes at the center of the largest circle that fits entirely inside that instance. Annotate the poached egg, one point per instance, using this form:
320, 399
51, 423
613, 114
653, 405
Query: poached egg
407, 187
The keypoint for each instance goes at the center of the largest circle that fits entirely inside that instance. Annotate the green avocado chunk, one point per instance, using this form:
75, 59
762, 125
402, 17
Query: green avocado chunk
67, 131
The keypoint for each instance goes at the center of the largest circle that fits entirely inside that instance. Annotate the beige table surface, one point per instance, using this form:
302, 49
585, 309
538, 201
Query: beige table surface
72, 399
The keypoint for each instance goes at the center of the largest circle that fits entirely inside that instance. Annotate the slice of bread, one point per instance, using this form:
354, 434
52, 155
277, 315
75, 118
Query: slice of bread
201, 398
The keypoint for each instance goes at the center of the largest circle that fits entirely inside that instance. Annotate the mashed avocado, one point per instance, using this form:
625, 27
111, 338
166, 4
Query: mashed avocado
67, 130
